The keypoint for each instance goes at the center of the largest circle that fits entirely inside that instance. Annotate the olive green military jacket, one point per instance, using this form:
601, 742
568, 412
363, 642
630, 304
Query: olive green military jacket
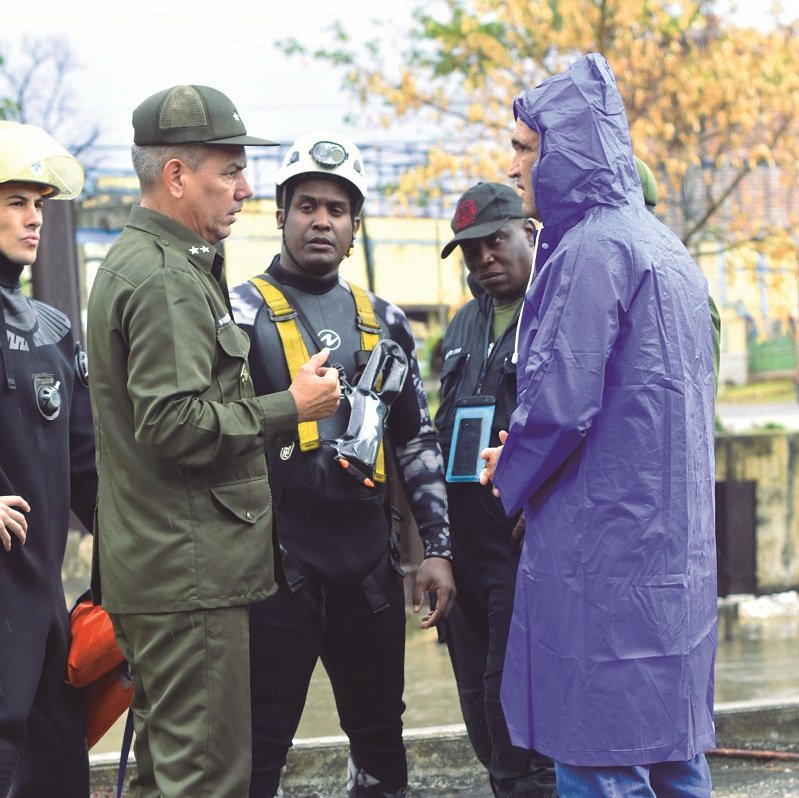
184, 517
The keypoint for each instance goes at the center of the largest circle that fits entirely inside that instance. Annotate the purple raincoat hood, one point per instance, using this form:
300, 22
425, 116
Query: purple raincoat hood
586, 156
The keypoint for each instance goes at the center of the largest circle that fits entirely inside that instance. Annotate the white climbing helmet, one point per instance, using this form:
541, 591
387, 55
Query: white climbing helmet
323, 152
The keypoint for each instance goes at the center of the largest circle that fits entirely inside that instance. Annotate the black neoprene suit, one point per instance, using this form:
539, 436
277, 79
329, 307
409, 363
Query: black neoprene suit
50, 463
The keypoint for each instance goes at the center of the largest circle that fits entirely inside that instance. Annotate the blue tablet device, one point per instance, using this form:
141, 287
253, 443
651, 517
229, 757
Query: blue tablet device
471, 434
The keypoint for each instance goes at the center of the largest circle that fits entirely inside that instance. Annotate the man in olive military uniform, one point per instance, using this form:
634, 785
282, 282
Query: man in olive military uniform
46, 469
183, 533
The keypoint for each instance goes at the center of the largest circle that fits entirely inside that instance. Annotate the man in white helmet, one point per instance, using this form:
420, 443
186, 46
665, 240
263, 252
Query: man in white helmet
46, 469
343, 597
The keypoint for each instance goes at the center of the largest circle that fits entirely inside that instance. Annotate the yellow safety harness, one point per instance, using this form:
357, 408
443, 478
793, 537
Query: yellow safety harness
296, 353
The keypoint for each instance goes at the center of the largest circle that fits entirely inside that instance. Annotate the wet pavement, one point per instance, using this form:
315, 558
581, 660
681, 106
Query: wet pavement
749, 778
731, 779
738, 417
759, 661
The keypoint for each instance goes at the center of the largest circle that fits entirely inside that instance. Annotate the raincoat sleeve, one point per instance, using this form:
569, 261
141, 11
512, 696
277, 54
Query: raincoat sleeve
571, 319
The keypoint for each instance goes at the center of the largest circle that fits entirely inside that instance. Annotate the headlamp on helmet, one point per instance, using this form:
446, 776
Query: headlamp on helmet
328, 154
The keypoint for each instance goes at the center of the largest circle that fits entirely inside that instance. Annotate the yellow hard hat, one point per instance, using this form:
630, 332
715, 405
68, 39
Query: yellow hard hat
29, 155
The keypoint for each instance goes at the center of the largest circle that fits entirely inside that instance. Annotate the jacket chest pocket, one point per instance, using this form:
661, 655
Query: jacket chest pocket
505, 392
453, 372
233, 370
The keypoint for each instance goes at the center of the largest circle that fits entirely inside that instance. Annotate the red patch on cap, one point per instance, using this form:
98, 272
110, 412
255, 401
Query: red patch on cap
465, 214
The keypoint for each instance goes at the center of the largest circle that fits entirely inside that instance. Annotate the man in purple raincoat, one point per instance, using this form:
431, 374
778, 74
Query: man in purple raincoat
609, 667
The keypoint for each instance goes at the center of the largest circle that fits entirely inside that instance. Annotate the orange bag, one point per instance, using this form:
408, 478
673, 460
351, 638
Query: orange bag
94, 650
104, 700
96, 667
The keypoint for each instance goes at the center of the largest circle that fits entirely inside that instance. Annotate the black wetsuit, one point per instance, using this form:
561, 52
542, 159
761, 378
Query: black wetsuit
484, 561
50, 463
347, 606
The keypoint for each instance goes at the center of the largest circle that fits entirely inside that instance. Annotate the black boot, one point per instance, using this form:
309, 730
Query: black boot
361, 784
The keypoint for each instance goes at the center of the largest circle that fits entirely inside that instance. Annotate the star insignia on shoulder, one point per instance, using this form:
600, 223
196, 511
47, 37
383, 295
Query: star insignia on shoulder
205, 249
193, 250
236, 116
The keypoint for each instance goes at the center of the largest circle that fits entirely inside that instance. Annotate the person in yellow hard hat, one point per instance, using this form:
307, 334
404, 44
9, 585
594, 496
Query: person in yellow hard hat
46, 469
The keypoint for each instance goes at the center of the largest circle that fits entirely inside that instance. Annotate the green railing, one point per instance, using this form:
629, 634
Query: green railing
772, 355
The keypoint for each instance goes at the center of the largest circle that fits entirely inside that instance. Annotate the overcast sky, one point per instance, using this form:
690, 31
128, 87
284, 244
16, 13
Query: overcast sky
129, 49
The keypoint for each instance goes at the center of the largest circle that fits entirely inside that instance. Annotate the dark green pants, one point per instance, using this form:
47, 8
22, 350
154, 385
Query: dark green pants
191, 705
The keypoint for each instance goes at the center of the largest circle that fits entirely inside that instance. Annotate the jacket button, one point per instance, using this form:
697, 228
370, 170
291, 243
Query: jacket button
248, 515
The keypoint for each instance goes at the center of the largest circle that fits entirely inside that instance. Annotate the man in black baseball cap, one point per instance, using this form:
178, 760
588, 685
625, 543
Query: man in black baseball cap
478, 394
183, 530
494, 237
481, 211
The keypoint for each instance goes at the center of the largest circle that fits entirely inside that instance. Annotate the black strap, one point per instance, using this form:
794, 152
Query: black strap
8, 367
294, 579
127, 738
374, 593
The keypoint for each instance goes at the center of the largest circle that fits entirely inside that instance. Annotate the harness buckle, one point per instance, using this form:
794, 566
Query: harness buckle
282, 316
363, 326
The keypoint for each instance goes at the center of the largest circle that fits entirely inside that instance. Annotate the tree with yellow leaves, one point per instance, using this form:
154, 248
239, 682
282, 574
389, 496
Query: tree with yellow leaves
713, 108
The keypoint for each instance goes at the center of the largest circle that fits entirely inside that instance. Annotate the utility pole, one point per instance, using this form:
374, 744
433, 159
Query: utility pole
55, 272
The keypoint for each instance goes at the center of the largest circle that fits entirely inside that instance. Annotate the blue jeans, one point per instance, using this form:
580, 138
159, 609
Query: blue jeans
662, 780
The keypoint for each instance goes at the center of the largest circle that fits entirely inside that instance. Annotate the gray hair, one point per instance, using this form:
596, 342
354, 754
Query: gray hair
149, 160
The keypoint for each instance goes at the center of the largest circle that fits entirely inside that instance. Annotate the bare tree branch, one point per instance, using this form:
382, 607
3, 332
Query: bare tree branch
35, 81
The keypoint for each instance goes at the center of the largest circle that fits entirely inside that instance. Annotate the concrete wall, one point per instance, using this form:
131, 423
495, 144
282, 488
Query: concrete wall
770, 459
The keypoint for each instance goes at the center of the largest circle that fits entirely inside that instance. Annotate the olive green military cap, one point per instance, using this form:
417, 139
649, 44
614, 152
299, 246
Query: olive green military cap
191, 115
